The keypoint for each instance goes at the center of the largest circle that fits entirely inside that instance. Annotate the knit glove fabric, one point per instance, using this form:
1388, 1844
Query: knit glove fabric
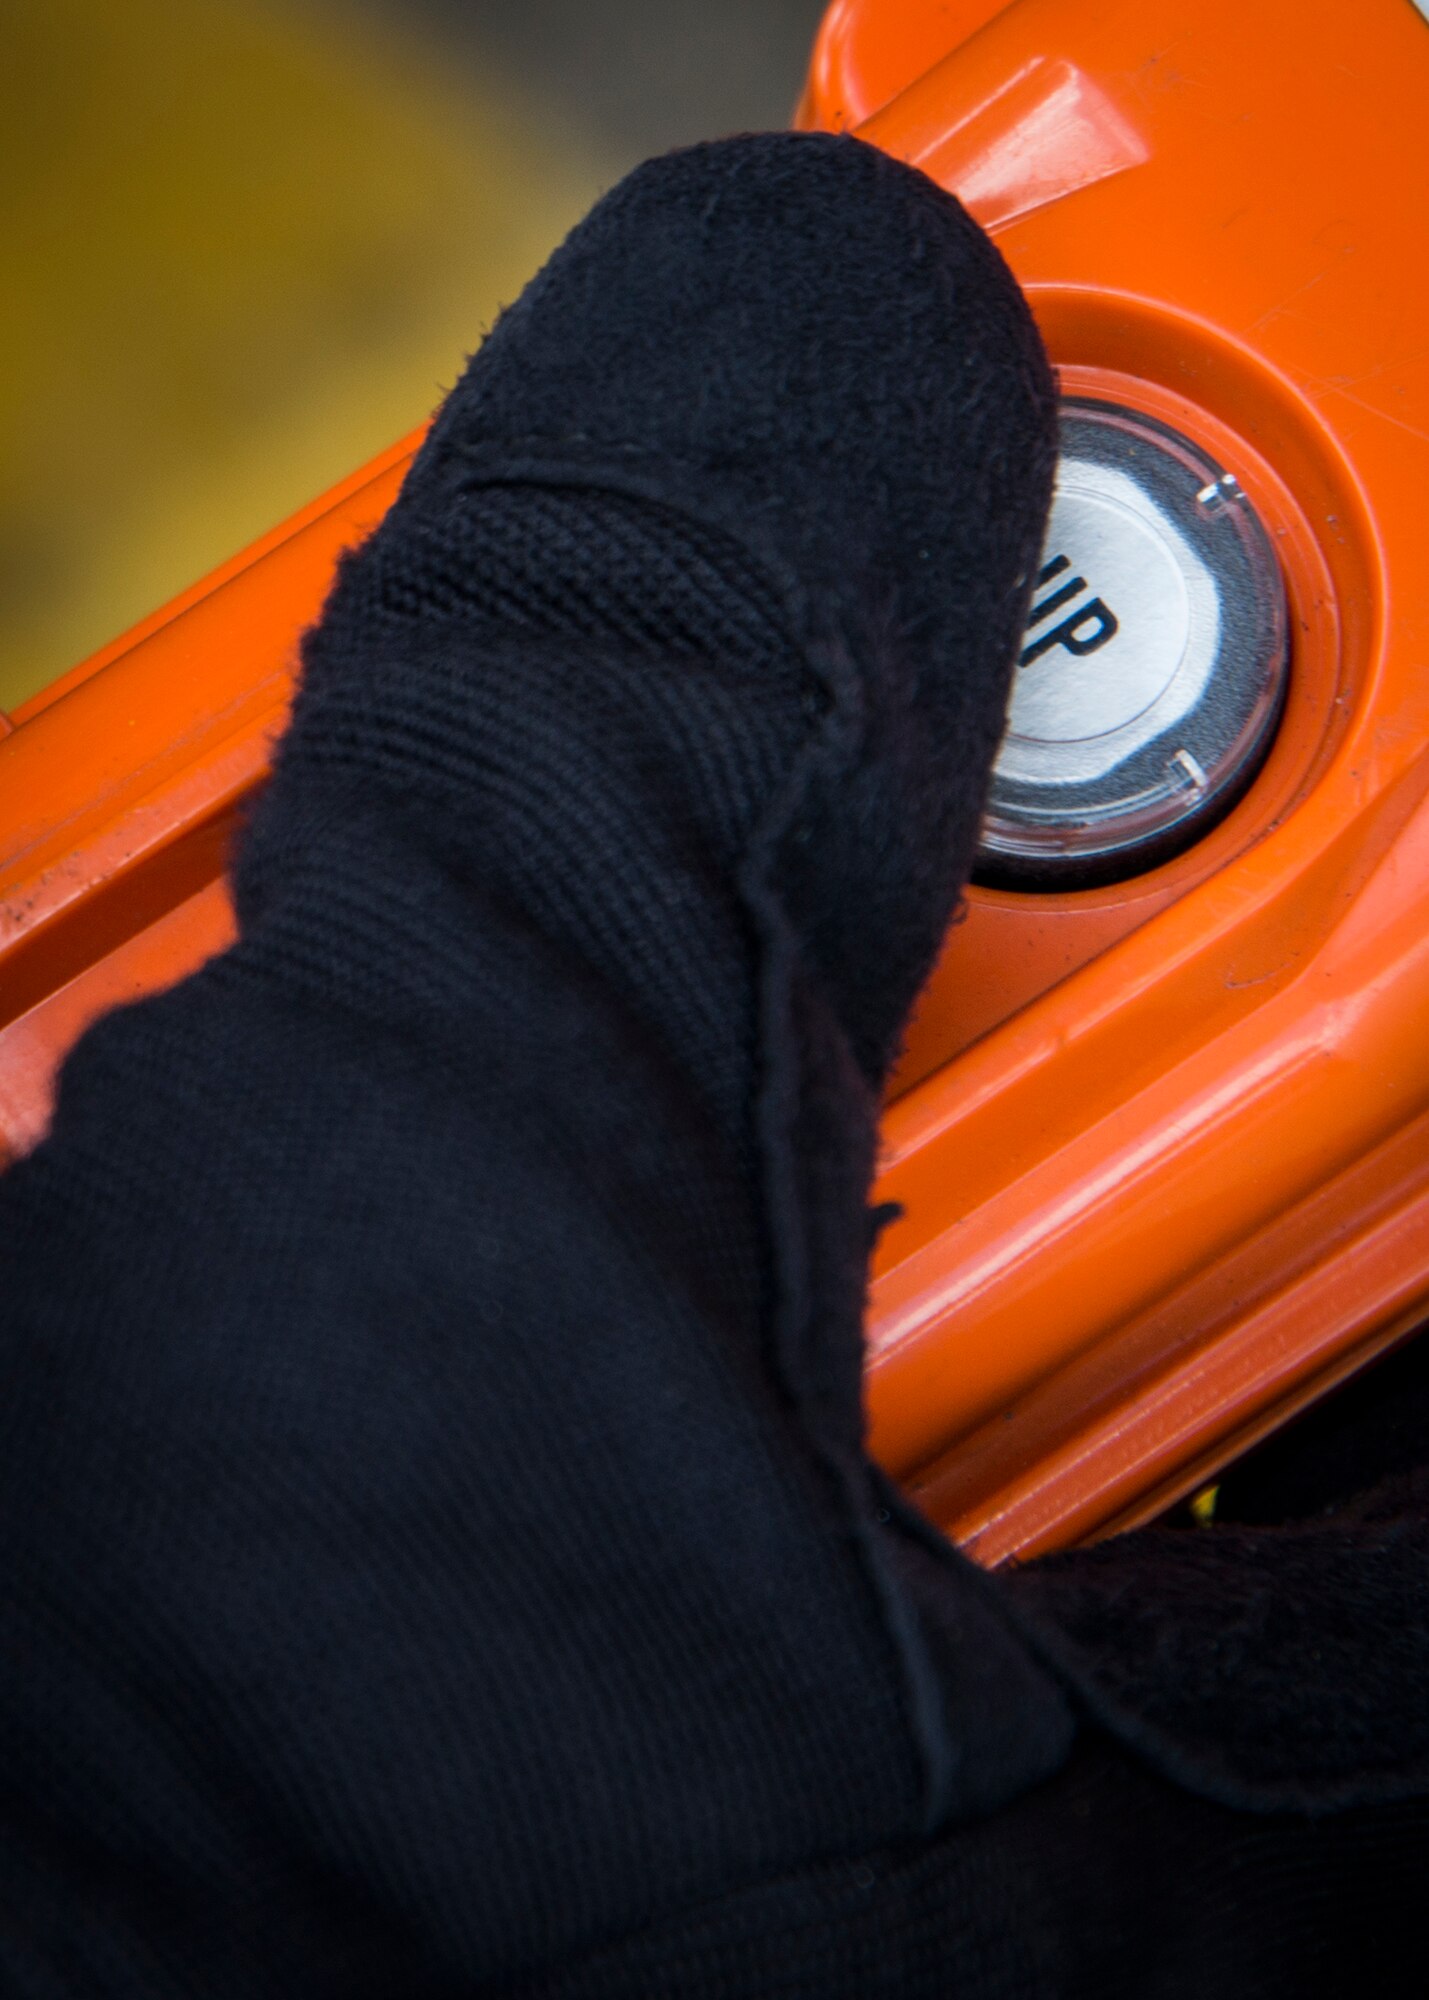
434, 1525
437, 1546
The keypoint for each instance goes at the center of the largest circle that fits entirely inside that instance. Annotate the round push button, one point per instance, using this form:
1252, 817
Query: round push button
1153, 667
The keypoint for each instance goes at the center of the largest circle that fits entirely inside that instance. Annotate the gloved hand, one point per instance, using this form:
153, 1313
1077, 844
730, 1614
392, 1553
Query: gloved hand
438, 1550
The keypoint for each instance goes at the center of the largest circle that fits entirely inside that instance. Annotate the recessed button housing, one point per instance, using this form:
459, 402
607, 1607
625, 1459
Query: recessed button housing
1153, 668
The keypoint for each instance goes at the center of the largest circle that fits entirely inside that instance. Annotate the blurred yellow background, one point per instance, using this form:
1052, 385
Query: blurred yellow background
249, 243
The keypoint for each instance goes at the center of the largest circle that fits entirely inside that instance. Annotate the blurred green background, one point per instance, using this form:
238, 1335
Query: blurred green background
251, 241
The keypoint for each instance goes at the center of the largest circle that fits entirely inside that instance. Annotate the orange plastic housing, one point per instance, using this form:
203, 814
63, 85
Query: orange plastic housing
1163, 1148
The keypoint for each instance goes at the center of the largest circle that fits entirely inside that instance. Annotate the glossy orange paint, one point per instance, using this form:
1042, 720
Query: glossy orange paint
1163, 1147
1164, 1164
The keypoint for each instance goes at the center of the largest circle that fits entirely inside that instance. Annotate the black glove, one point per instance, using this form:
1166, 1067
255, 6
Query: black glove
438, 1550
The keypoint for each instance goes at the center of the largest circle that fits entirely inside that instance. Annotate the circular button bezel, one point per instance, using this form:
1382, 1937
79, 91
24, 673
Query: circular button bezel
1071, 808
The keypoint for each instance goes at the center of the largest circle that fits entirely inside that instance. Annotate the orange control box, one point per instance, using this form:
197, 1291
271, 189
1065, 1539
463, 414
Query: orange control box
1162, 1142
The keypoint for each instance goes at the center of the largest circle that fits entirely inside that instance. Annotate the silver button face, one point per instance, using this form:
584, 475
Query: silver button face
1152, 670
